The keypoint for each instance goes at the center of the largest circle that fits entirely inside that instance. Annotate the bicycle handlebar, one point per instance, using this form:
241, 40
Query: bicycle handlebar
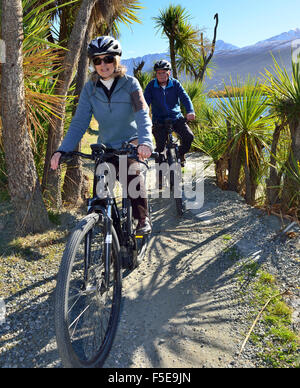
168, 124
99, 150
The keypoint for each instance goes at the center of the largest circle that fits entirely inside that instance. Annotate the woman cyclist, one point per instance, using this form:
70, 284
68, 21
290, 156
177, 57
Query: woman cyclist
116, 101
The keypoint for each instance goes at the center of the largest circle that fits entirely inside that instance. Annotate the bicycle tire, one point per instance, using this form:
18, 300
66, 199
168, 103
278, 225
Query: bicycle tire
128, 260
172, 159
138, 245
179, 206
142, 242
85, 344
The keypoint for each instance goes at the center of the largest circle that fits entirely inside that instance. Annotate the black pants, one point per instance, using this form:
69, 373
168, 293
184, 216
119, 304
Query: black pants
139, 204
183, 131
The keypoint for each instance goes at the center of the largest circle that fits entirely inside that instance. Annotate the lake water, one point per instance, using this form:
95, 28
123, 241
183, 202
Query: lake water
214, 101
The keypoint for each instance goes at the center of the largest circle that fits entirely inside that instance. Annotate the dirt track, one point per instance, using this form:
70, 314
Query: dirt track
180, 305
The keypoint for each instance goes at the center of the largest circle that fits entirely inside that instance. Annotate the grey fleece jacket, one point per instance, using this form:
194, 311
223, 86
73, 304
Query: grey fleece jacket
122, 117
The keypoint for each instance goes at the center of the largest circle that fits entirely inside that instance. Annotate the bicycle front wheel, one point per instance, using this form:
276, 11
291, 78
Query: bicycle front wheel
86, 309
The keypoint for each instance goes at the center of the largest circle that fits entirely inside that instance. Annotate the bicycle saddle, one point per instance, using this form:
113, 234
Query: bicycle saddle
98, 147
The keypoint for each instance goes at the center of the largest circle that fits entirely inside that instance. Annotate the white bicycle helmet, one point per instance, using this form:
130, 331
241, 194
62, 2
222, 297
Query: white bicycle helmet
162, 65
104, 45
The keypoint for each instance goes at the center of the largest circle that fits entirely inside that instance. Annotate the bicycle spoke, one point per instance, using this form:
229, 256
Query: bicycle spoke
76, 320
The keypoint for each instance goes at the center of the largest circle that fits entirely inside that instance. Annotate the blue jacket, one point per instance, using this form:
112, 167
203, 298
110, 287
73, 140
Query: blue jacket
122, 117
166, 102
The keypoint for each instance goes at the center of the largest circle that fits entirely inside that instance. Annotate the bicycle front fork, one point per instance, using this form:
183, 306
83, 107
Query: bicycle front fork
106, 257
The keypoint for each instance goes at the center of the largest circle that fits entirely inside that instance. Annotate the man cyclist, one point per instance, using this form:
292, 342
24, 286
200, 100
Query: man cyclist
165, 94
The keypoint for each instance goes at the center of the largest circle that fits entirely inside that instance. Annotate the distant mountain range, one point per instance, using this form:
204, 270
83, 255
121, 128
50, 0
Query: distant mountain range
230, 60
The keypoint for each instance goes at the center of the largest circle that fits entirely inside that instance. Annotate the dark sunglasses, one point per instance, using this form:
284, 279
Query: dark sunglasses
108, 59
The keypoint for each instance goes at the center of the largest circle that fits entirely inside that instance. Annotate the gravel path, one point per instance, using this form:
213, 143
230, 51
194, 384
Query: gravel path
181, 307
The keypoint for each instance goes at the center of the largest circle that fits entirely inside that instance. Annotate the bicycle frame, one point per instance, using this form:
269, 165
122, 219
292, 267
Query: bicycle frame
171, 156
107, 207
111, 216
171, 144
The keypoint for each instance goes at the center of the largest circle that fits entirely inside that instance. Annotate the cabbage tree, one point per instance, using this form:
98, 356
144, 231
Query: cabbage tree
283, 90
173, 22
249, 133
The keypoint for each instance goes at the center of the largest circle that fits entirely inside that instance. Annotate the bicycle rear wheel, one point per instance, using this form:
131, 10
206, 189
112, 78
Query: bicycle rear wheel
179, 206
142, 241
86, 311
141, 244
171, 157
176, 191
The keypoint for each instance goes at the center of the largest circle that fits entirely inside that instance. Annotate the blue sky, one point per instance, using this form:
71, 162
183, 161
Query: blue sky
241, 22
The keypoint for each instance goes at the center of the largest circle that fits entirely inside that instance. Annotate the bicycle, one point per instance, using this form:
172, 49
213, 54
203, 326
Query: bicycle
88, 291
171, 156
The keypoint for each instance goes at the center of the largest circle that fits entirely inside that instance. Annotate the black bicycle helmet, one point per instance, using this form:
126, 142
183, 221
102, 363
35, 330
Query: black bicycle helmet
162, 65
104, 45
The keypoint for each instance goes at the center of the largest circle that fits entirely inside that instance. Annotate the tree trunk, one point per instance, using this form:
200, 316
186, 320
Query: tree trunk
72, 188
248, 193
24, 187
51, 179
250, 182
207, 59
173, 57
291, 188
234, 162
273, 183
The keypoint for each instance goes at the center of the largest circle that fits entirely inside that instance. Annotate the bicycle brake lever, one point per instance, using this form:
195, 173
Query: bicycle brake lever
66, 157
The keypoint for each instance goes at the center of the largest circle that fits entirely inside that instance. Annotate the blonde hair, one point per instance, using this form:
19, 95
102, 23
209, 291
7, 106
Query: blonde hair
120, 70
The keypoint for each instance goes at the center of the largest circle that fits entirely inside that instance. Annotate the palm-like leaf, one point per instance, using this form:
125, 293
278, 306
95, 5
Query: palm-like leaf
171, 20
126, 13
41, 64
210, 131
41, 60
284, 93
144, 78
283, 90
110, 14
245, 110
173, 23
192, 63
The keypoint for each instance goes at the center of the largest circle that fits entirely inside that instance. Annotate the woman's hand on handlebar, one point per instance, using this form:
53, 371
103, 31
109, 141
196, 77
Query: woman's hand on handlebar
55, 160
144, 152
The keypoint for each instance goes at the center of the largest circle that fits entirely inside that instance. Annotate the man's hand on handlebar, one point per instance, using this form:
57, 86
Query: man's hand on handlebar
190, 116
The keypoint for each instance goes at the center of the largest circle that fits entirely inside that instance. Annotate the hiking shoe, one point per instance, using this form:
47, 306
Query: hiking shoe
143, 226
182, 160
